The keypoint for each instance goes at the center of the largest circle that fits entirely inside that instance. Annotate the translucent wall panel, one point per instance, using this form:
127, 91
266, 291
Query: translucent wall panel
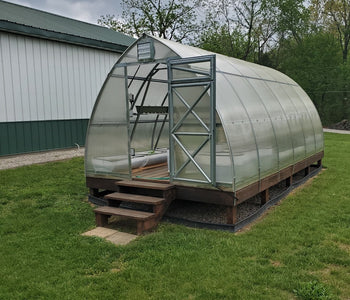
239, 133
279, 121
293, 118
315, 119
261, 123
142, 139
224, 167
192, 144
107, 150
189, 96
111, 107
304, 119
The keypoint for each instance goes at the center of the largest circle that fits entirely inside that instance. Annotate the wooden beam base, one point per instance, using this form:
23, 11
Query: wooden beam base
231, 214
265, 196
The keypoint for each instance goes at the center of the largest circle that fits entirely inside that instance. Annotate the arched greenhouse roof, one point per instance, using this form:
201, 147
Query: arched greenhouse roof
268, 122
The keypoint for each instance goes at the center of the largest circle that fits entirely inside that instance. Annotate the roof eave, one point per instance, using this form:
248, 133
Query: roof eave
61, 37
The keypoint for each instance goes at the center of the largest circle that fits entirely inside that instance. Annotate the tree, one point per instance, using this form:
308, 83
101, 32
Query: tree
292, 18
250, 16
316, 64
335, 17
169, 19
242, 25
222, 40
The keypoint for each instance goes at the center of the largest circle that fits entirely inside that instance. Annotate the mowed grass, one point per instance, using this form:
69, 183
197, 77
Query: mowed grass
300, 249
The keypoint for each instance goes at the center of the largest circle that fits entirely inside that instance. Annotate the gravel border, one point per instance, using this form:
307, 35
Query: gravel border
336, 131
15, 161
216, 214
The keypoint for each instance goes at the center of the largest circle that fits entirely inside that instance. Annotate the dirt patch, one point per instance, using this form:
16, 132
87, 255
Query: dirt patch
276, 263
344, 247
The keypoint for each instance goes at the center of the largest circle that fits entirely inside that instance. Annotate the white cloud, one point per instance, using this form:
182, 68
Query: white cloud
83, 10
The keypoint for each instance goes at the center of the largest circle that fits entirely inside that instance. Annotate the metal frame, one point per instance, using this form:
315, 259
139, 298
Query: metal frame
208, 81
127, 116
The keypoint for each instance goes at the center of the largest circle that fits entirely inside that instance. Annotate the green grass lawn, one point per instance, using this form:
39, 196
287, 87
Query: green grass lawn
301, 249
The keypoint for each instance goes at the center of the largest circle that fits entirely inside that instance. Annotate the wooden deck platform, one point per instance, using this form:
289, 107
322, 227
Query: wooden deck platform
155, 172
153, 181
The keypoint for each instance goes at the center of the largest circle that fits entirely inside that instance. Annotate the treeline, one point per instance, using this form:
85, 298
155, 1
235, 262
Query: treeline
307, 40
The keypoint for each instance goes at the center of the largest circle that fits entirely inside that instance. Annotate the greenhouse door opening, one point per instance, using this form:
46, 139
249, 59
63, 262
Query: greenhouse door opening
192, 149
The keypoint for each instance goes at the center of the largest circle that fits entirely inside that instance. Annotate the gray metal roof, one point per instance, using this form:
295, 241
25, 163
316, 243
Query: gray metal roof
28, 21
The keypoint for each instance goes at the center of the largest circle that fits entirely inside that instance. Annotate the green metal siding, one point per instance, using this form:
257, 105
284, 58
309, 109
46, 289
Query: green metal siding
23, 137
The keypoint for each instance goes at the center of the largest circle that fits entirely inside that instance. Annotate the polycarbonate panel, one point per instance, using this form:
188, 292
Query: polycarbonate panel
192, 143
315, 118
155, 95
244, 68
279, 121
107, 146
192, 71
262, 126
269, 74
239, 133
224, 168
293, 118
142, 139
190, 95
231, 65
245, 156
304, 119
107, 151
111, 107
309, 132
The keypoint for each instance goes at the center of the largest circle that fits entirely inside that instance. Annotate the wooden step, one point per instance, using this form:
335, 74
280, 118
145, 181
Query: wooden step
122, 212
135, 198
145, 220
145, 185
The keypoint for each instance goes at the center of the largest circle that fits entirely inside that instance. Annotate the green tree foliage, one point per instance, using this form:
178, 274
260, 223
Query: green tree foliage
334, 16
222, 40
242, 25
315, 63
292, 18
169, 19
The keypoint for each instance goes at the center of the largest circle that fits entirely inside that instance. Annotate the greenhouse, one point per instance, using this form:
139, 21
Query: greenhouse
194, 119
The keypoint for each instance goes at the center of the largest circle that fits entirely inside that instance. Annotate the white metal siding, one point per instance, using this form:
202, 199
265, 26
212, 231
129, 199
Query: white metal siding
48, 80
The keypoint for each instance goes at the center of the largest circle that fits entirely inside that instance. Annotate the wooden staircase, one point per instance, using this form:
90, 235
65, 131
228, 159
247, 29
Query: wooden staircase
156, 195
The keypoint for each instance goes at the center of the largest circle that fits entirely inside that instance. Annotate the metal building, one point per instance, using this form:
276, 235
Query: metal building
225, 129
51, 69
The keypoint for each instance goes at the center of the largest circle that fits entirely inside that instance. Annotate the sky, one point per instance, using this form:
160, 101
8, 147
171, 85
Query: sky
83, 10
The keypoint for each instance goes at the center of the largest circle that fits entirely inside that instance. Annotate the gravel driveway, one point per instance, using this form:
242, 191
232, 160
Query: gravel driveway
14, 161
